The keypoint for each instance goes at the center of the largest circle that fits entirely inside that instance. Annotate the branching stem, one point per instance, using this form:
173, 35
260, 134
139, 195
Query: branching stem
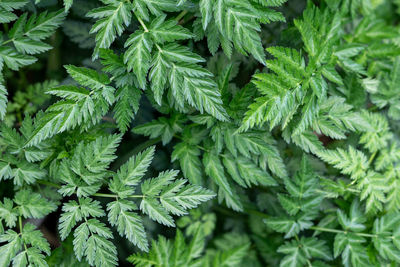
44, 182
116, 196
142, 23
181, 15
372, 157
329, 230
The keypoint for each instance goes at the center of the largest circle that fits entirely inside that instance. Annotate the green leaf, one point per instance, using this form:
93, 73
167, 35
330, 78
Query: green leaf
134, 169
289, 226
35, 257
20, 260
215, 170
138, 55
42, 26
178, 196
68, 4
190, 162
81, 235
111, 21
239, 22
206, 9
157, 213
316, 248
232, 169
393, 198
385, 93
256, 143
11, 248
33, 205
35, 238
11, 5
383, 240
373, 188
352, 162
176, 253
128, 223
91, 236
168, 31
8, 213
98, 154
28, 46
6, 17
5, 170
252, 174
127, 105
153, 187
13, 60
331, 74
67, 114
69, 92
101, 252
303, 191
3, 101
278, 103
94, 80
376, 138
355, 221
194, 84
142, 8
308, 141
158, 76
27, 173
74, 212
351, 248
164, 128
298, 253
234, 256
179, 53
70, 216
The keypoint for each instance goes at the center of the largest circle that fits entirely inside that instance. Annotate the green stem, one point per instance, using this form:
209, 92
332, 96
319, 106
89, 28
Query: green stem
366, 235
145, 145
199, 146
257, 213
322, 229
20, 229
372, 157
329, 230
317, 228
8, 41
116, 196
159, 48
142, 23
105, 195
352, 190
136, 150
20, 223
44, 182
5, 27
181, 15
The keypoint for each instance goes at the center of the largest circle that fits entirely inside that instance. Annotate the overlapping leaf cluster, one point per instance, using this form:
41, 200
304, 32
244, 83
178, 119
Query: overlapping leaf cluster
287, 113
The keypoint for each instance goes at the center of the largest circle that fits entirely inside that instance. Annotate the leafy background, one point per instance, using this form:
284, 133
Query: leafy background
299, 145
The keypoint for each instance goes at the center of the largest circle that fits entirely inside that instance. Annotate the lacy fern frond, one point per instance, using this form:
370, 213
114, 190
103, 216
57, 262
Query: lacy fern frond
196, 133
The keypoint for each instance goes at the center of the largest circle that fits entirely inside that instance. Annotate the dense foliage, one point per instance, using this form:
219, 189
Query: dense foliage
219, 133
